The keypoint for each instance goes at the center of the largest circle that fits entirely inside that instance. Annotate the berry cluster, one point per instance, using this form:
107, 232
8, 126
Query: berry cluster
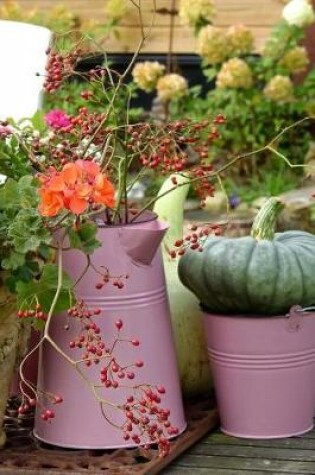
169, 148
36, 313
147, 420
195, 239
89, 339
29, 403
116, 281
59, 66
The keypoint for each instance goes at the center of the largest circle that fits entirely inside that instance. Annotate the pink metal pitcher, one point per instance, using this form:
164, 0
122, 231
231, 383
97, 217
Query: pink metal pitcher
142, 305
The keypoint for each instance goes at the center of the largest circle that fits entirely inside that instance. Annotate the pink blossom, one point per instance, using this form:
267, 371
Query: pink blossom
57, 119
5, 130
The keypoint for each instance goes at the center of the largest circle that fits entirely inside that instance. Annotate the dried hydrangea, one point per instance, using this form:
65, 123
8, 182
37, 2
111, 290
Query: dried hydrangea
236, 74
147, 73
299, 13
194, 12
279, 89
171, 86
116, 9
213, 45
295, 60
241, 39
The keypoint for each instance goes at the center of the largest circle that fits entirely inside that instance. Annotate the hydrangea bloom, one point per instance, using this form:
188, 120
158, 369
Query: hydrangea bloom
171, 86
295, 60
192, 12
213, 45
116, 9
299, 13
241, 39
235, 73
147, 73
279, 89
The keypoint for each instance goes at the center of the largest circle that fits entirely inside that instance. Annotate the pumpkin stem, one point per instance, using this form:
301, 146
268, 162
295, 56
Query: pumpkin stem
265, 221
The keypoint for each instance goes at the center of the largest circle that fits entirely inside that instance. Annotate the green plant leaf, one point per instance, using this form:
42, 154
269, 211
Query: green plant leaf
13, 261
84, 238
27, 232
44, 290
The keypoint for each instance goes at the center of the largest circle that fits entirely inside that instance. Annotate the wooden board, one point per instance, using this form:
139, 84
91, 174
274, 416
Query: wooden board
259, 16
219, 454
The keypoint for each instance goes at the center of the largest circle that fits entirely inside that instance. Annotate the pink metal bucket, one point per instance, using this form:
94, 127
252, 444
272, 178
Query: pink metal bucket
263, 371
143, 307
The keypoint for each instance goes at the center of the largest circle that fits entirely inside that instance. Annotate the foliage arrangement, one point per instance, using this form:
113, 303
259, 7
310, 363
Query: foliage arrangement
70, 170
261, 93
65, 174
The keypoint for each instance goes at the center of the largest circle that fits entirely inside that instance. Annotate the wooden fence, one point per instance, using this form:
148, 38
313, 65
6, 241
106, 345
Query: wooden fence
259, 15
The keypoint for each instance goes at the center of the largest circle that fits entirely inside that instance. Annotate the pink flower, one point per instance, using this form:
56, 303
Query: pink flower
5, 130
57, 119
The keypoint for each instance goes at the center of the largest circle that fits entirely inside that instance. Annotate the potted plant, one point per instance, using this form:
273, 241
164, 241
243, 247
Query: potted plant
253, 290
83, 262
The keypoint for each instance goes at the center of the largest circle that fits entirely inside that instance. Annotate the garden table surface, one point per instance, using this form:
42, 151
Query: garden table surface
219, 454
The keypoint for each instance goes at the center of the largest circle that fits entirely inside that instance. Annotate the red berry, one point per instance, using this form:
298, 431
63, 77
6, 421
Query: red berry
50, 414
119, 324
58, 400
161, 389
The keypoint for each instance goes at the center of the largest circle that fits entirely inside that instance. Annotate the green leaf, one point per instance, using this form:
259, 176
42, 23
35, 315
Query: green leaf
27, 232
210, 73
85, 238
13, 261
9, 194
38, 121
44, 290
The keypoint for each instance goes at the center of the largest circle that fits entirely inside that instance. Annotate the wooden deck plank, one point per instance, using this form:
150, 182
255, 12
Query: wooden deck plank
239, 463
304, 442
216, 471
219, 454
267, 453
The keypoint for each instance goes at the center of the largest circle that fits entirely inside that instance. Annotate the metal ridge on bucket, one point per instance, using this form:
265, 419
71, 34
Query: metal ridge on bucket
139, 299
263, 361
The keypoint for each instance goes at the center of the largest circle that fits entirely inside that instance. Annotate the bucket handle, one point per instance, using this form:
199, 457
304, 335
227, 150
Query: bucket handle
295, 317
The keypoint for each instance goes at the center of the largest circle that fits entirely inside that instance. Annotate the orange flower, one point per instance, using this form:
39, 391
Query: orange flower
69, 174
104, 192
75, 187
51, 203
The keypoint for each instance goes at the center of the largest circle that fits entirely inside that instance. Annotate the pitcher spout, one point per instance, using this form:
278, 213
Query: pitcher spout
142, 241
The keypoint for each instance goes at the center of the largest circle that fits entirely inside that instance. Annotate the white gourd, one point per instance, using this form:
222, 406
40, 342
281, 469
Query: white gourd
186, 315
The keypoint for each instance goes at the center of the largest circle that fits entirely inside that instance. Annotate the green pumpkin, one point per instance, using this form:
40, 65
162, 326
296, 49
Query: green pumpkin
263, 274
